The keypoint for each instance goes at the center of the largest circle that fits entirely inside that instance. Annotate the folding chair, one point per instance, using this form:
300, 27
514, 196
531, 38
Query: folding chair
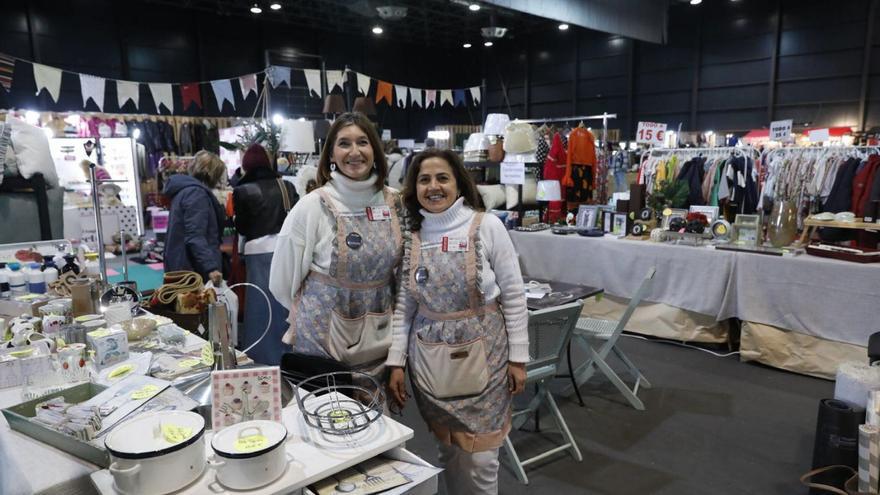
549, 333
609, 331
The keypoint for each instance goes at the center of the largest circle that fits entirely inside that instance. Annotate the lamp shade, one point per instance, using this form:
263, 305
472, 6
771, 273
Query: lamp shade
548, 190
334, 104
364, 105
476, 142
495, 123
297, 136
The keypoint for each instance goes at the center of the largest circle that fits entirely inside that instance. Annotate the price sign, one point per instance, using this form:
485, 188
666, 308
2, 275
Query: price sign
780, 130
651, 133
513, 173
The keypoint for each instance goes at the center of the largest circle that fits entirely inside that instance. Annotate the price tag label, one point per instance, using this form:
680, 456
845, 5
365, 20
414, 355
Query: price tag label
208, 354
121, 371
97, 334
189, 363
174, 433
251, 443
513, 173
651, 133
145, 392
780, 130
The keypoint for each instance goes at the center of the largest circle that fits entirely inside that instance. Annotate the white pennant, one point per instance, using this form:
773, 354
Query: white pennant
400, 93
162, 96
278, 75
430, 98
49, 78
446, 95
335, 78
415, 97
475, 95
363, 83
92, 87
127, 90
248, 85
223, 91
313, 81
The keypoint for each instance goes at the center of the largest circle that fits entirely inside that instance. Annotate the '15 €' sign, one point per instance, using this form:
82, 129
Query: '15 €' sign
651, 133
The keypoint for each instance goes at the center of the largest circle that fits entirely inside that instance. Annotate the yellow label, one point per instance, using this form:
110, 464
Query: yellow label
189, 363
27, 297
144, 392
121, 371
208, 354
149, 345
600, 296
251, 443
59, 343
97, 334
339, 416
667, 212
23, 353
174, 433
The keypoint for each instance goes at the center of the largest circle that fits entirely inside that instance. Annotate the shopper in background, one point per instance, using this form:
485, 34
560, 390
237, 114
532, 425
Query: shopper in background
195, 220
460, 323
261, 203
338, 250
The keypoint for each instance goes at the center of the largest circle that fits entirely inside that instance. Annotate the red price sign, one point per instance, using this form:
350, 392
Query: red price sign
651, 133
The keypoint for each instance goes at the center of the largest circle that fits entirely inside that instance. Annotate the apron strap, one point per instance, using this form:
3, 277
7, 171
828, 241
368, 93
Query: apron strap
341, 245
471, 263
395, 221
415, 254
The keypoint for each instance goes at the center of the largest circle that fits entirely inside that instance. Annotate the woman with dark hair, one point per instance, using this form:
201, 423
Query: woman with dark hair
338, 251
261, 202
460, 322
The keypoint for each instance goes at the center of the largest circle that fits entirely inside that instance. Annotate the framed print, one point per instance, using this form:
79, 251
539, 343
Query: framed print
587, 216
711, 212
620, 221
245, 394
607, 221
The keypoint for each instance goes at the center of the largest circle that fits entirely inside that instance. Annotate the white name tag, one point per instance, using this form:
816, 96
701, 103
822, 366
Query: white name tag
454, 244
378, 213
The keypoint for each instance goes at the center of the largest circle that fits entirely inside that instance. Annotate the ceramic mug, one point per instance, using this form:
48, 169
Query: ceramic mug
72, 356
20, 332
52, 323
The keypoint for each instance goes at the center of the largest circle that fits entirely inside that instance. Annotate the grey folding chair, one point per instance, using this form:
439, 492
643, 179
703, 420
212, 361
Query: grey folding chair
550, 331
607, 332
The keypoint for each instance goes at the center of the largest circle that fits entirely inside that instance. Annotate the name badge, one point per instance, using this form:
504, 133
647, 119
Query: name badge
454, 244
378, 213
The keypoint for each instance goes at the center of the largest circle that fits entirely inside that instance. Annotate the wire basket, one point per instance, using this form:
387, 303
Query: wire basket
340, 403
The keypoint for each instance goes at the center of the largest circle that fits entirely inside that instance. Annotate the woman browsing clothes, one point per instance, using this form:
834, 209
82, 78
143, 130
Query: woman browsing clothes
461, 323
337, 253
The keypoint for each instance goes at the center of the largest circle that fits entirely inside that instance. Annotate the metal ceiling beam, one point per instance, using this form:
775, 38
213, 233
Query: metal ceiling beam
643, 20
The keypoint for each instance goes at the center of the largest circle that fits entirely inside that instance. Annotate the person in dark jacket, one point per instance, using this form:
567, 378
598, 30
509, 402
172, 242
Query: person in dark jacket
195, 220
261, 202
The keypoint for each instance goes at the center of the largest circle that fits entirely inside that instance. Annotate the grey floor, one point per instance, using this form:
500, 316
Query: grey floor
711, 425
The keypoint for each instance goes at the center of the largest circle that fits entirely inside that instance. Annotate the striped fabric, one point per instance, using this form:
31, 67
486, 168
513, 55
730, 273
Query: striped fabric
869, 448
7, 67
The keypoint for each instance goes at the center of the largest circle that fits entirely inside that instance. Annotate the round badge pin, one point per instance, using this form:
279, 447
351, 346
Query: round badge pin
354, 240
421, 275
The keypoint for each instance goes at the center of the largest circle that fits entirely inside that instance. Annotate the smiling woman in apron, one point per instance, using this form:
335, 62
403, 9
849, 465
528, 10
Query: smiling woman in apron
460, 323
337, 253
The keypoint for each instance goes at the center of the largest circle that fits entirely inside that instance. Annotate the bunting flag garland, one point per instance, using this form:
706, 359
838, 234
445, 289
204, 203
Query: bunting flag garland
48, 78
248, 83
335, 78
415, 97
127, 90
190, 93
162, 96
383, 92
363, 83
92, 87
7, 68
278, 75
223, 92
430, 98
458, 96
445, 96
313, 81
400, 92
475, 95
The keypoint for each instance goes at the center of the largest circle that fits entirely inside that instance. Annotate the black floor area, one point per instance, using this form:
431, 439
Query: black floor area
712, 425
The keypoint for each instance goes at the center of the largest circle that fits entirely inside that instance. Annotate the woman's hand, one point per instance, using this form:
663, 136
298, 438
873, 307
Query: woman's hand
397, 386
516, 377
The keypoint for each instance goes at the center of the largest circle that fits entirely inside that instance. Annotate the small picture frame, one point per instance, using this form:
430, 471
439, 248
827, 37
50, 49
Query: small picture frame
587, 216
245, 394
669, 214
711, 212
607, 221
747, 228
620, 222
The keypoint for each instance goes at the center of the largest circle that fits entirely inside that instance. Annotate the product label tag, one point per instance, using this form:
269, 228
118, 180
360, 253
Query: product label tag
251, 443
454, 244
121, 371
189, 363
145, 392
378, 213
208, 354
174, 433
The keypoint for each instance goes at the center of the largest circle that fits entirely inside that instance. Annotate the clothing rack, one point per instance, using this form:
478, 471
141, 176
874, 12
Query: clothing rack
818, 150
743, 152
603, 117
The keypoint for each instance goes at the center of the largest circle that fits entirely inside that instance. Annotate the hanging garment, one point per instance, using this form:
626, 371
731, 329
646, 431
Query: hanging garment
581, 151
186, 140
692, 175
581, 188
554, 169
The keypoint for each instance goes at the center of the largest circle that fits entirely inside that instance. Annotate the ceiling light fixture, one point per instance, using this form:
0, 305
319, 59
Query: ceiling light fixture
378, 30
488, 44
696, 2
474, 7
467, 45
563, 27
275, 6
255, 9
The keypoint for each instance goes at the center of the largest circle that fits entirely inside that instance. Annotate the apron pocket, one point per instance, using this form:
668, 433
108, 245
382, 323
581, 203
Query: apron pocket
451, 370
355, 341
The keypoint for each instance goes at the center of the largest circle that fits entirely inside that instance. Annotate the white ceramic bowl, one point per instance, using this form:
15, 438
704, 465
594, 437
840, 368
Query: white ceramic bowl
244, 466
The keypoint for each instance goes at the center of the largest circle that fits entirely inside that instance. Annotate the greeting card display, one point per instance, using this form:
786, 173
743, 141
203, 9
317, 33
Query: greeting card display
245, 394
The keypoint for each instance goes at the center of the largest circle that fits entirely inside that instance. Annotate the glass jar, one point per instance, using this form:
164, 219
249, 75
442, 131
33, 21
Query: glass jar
782, 227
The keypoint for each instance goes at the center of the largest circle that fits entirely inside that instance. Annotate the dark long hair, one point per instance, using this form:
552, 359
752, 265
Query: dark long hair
463, 180
364, 124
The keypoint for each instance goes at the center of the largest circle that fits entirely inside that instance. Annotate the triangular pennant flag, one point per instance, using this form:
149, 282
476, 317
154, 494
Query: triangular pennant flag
445, 95
162, 96
223, 91
458, 96
278, 75
48, 78
475, 95
92, 87
191, 93
248, 83
383, 92
363, 83
415, 97
313, 81
127, 90
7, 68
335, 78
430, 98
400, 92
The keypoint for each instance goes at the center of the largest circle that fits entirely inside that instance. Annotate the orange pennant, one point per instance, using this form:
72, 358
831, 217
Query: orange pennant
383, 92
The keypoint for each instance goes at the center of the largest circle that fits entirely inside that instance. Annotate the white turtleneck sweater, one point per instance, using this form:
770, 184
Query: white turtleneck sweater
501, 279
305, 241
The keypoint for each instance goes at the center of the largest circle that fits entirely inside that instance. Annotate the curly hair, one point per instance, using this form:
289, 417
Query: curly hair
463, 180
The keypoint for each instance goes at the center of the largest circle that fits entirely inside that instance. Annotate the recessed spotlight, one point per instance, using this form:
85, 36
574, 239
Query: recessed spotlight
474, 7
275, 6
563, 27
488, 43
467, 45
378, 30
255, 9
696, 2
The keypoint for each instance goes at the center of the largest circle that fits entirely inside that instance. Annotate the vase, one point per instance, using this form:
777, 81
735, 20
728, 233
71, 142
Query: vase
782, 228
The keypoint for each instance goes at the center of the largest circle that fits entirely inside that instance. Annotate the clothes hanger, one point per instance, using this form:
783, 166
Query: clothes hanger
581, 125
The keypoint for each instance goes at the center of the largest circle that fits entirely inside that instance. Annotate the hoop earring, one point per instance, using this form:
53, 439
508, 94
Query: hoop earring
332, 167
